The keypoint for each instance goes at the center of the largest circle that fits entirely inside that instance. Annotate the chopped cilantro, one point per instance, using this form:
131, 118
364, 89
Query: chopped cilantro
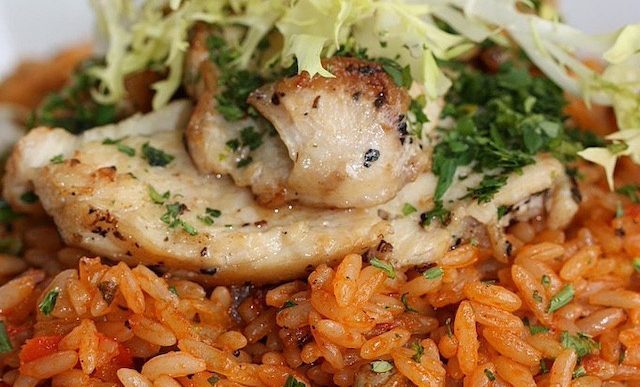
213, 212
73, 108
401, 76
419, 351
207, 220
235, 84
6, 213
156, 157
636, 263
127, 150
489, 374
537, 329
250, 138
408, 209
631, 191
543, 367
57, 159
438, 212
502, 121
562, 298
110, 141
578, 373
293, 382
288, 304
244, 162
233, 144
156, 197
49, 302
502, 211
381, 366
433, 273
5, 343
29, 197
581, 343
405, 302
386, 267
173, 290
172, 218
545, 280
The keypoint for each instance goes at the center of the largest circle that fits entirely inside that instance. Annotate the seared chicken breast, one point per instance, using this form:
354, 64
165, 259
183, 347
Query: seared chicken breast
109, 195
347, 136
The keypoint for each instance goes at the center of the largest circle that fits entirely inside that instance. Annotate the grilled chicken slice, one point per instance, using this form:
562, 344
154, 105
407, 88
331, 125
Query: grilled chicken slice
100, 200
346, 136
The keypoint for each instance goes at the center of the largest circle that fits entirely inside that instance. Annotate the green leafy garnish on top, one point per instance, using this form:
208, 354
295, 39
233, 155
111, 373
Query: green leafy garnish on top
502, 121
156, 157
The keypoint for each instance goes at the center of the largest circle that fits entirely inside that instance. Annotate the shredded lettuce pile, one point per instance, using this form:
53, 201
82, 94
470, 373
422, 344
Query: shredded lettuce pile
155, 35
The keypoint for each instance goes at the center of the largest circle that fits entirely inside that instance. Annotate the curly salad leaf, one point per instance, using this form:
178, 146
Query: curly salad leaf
414, 33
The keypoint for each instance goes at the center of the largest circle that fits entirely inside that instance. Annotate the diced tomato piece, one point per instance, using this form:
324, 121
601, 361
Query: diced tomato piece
107, 372
38, 347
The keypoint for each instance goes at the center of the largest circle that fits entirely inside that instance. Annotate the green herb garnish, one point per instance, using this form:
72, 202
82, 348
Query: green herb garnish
127, 150
489, 374
58, 159
293, 382
581, 343
636, 264
49, 302
386, 267
433, 273
172, 218
6, 213
631, 191
5, 343
578, 373
408, 209
419, 351
156, 197
29, 197
502, 211
173, 290
288, 304
562, 298
545, 280
156, 157
11, 246
213, 380
405, 302
381, 366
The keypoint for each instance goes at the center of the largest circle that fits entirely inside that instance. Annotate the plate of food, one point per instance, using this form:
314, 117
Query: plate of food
351, 193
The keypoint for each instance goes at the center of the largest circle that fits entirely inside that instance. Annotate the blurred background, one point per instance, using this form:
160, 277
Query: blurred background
37, 28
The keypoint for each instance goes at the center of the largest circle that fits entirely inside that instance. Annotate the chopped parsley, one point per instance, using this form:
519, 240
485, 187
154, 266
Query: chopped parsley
173, 290
578, 373
210, 214
433, 273
172, 218
127, 150
405, 302
288, 304
293, 382
381, 366
111, 141
73, 108
419, 351
408, 209
535, 329
250, 139
213, 380
401, 76
49, 302
489, 374
631, 191
57, 159
6, 213
156, 197
156, 157
543, 367
502, 211
438, 212
545, 280
244, 162
235, 84
502, 121
562, 298
636, 264
581, 343
29, 197
419, 118
5, 343
386, 267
